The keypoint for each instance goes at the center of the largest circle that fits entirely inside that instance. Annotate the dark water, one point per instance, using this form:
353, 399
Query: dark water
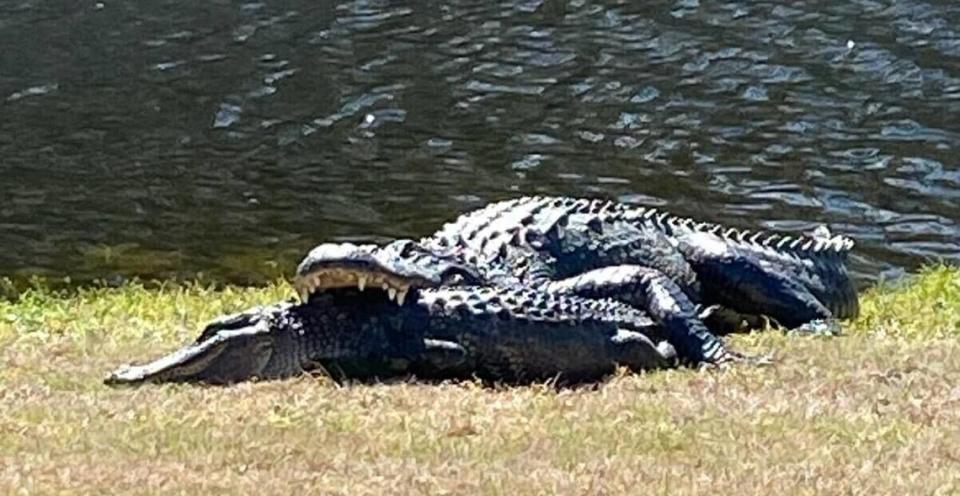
167, 138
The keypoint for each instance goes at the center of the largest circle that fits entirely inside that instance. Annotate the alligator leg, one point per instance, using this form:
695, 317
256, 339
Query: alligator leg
441, 358
738, 281
656, 293
722, 320
637, 352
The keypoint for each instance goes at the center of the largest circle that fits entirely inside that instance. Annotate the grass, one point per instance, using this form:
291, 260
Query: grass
876, 411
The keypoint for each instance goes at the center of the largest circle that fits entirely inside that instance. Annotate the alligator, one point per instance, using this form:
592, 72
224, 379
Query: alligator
542, 239
597, 248
381, 312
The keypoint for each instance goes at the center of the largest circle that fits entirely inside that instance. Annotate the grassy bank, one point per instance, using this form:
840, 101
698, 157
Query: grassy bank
874, 412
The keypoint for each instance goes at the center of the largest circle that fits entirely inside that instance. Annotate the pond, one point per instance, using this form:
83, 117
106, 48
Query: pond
220, 139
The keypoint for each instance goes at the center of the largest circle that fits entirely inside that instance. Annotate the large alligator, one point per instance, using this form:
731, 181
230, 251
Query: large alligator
370, 312
596, 248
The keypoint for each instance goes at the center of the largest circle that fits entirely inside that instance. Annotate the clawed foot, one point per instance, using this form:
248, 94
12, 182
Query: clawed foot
731, 358
721, 320
819, 327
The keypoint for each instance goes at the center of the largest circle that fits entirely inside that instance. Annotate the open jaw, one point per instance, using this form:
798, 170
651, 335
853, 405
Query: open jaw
395, 268
361, 277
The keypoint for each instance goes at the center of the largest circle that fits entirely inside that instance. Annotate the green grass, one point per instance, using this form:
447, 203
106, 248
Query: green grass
876, 411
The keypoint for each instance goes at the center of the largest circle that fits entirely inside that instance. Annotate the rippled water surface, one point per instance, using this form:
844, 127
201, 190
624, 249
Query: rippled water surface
173, 137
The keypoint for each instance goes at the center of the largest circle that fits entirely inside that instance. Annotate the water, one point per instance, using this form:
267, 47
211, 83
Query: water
171, 138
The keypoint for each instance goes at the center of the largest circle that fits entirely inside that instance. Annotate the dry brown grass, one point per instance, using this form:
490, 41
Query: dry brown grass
873, 412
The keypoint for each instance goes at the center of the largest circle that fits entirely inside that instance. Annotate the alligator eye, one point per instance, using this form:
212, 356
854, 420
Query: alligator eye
405, 248
458, 277
535, 239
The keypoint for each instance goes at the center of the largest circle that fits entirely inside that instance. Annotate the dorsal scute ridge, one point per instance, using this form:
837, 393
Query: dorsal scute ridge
821, 242
762, 239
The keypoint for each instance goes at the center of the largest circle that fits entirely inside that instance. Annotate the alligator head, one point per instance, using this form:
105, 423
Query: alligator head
394, 269
346, 324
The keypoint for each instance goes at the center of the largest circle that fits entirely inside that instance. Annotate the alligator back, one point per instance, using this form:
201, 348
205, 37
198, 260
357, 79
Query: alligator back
816, 261
524, 335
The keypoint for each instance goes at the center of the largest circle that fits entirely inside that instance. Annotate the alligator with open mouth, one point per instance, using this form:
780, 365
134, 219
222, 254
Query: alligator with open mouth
382, 312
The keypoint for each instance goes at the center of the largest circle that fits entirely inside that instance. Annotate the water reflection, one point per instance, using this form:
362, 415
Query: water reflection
169, 138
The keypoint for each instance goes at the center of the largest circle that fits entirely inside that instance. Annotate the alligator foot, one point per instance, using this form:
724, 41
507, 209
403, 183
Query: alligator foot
818, 327
732, 358
653, 291
637, 352
722, 320
441, 359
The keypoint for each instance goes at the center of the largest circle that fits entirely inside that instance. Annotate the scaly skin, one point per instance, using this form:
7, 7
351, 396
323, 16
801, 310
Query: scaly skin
544, 242
520, 335
499, 334
335, 333
373, 311
396, 267
550, 266
339, 327
407, 264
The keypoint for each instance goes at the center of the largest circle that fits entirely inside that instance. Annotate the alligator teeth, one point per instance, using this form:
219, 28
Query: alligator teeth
323, 280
